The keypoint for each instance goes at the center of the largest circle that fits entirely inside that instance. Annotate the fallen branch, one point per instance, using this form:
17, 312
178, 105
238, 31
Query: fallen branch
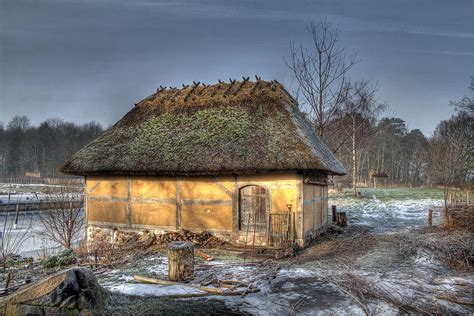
208, 290
455, 300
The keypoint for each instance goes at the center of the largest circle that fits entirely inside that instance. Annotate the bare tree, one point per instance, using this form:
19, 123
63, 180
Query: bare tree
451, 152
63, 221
321, 73
12, 239
357, 119
466, 103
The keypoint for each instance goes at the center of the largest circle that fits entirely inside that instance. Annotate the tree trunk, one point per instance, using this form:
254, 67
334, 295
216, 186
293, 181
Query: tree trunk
354, 158
342, 219
321, 98
445, 191
180, 260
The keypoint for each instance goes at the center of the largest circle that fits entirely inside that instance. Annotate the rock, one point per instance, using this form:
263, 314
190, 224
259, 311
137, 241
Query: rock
72, 292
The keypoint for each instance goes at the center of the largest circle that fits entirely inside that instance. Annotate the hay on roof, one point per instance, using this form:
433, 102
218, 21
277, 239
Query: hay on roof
226, 128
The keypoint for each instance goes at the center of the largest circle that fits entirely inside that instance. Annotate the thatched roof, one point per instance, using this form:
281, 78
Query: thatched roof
228, 128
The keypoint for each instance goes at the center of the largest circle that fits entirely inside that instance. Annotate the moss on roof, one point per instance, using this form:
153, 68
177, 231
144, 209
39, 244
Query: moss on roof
227, 128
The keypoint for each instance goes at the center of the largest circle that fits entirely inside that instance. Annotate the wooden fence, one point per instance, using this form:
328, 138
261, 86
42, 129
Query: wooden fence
26, 180
458, 197
38, 206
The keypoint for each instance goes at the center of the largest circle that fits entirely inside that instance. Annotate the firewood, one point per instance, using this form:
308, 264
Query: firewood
203, 255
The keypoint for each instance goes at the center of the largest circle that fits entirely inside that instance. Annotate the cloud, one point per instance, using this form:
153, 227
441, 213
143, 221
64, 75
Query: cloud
440, 52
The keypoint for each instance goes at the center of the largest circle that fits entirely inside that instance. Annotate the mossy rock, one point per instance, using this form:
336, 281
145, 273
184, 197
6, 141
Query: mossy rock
71, 292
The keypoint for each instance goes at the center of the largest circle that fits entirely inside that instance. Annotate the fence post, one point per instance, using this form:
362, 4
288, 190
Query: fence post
269, 229
17, 210
430, 217
334, 214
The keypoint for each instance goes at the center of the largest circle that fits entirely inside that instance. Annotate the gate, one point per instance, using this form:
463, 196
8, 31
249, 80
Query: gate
279, 230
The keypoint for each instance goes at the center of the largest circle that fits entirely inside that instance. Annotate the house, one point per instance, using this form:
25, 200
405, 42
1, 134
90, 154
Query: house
237, 159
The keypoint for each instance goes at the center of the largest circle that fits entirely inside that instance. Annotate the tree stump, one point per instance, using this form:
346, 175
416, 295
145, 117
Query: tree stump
180, 260
341, 219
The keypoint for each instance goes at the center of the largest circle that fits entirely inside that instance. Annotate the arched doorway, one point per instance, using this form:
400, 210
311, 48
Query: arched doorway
253, 208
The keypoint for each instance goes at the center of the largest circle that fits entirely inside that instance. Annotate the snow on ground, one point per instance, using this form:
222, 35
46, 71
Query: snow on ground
388, 210
15, 198
26, 238
303, 288
153, 289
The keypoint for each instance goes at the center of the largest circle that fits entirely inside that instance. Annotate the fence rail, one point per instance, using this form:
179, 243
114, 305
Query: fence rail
26, 180
38, 206
456, 197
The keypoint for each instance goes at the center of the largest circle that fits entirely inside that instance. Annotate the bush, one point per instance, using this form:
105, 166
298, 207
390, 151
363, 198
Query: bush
64, 258
50, 262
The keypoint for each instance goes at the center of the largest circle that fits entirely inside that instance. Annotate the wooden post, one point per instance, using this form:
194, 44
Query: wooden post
341, 219
17, 211
180, 260
293, 227
334, 214
430, 217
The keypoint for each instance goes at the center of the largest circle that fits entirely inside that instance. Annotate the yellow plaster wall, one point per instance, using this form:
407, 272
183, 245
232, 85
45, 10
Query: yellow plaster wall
216, 217
207, 188
107, 212
200, 202
308, 208
318, 214
314, 207
115, 187
153, 214
325, 204
153, 187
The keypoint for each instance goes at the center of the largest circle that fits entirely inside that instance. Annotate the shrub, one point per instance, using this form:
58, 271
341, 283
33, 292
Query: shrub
64, 258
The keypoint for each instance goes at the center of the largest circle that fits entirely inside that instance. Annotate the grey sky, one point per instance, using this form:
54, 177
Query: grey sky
92, 60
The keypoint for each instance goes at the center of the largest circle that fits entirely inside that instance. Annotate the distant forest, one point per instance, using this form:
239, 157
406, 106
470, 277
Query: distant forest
40, 150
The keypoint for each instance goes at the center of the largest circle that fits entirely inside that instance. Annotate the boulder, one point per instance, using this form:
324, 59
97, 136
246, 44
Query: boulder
70, 292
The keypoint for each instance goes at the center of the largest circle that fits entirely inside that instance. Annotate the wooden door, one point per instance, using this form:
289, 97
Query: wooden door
253, 200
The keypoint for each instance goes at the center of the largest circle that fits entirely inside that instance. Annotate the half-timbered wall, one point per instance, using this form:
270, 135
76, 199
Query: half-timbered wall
315, 208
195, 203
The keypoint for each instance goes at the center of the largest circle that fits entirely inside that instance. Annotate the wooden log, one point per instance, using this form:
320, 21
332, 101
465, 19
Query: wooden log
180, 260
207, 290
334, 214
430, 217
341, 219
203, 255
